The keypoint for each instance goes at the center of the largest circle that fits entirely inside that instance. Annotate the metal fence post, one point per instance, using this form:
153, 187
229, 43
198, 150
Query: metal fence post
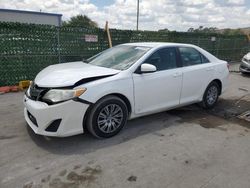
58, 45
218, 47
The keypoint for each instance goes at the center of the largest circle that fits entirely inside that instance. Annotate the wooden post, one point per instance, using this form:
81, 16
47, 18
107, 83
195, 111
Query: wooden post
108, 33
248, 36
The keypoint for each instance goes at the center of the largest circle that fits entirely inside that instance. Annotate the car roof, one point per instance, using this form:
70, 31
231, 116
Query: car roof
158, 44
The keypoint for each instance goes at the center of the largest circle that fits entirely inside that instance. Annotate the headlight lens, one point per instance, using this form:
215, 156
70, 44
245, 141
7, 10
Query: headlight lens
28, 90
58, 95
246, 60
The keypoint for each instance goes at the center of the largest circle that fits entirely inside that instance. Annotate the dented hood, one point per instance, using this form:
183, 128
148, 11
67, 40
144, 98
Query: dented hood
68, 74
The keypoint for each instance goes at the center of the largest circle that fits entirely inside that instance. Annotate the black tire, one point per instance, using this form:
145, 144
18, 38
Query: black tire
207, 101
97, 111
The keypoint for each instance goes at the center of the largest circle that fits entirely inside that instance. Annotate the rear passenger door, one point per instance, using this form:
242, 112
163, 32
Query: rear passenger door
197, 73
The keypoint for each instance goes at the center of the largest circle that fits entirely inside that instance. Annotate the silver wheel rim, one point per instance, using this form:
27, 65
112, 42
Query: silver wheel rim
110, 118
212, 94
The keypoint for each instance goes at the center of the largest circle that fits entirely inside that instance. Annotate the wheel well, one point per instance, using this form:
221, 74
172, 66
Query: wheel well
219, 84
124, 98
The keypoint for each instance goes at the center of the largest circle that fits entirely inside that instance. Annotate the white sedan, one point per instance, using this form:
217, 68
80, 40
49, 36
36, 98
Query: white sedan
121, 83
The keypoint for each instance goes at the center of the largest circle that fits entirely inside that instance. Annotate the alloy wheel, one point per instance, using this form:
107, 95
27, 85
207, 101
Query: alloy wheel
212, 95
110, 118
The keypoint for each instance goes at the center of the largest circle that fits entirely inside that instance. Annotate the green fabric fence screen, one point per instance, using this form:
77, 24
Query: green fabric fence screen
25, 49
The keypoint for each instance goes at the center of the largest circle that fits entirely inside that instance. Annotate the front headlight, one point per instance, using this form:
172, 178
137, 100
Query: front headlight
246, 61
28, 90
59, 95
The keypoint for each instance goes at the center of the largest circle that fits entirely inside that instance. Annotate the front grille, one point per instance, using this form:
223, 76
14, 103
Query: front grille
36, 93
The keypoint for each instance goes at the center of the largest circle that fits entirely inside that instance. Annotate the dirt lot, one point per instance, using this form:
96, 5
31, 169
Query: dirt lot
187, 147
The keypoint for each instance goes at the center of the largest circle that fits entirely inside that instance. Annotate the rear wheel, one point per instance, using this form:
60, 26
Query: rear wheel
107, 117
210, 96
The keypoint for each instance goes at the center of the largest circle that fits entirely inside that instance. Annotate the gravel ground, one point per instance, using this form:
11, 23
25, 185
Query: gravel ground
186, 147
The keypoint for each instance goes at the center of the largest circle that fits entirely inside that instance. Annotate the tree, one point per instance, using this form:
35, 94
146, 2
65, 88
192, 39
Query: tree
202, 29
80, 21
232, 32
164, 30
191, 29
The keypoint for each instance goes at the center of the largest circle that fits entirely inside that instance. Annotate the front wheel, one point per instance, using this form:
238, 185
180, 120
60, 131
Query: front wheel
210, 96
107, 117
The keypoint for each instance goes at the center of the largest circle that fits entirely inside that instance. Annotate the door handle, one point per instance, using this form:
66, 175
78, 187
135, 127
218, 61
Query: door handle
177, 74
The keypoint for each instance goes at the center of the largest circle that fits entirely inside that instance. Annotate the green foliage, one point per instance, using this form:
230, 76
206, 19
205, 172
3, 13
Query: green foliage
232, 32
227, 31
80, 21
164, 30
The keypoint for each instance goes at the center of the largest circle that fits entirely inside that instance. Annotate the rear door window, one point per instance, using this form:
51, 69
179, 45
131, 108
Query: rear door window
191, 56
204, 59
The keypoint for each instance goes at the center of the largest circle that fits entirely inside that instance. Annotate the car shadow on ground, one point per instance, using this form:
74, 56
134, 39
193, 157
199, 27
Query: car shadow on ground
225, 111
86, 143
247, 75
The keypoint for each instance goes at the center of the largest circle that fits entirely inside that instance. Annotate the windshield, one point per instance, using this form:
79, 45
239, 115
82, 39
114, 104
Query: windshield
119, 57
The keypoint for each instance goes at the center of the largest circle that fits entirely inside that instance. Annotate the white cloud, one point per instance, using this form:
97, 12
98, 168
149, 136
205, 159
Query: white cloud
236, 2
154, 15
197, 2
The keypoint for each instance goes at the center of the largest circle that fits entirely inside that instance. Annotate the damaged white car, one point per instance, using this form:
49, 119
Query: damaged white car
121, 83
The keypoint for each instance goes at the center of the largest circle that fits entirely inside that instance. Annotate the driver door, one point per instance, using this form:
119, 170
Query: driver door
154, 92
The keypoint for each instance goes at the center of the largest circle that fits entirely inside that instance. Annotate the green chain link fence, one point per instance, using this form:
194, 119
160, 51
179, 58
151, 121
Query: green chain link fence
25, 49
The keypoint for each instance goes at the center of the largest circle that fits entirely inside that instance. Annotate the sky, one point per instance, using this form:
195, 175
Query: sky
176, 15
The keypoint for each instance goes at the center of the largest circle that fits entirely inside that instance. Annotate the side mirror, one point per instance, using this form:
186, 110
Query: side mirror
147, 68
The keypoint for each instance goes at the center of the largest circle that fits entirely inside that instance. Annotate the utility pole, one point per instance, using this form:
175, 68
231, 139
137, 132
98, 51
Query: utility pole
137, 15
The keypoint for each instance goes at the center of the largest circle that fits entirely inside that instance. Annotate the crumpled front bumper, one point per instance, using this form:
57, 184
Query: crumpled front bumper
69, 115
